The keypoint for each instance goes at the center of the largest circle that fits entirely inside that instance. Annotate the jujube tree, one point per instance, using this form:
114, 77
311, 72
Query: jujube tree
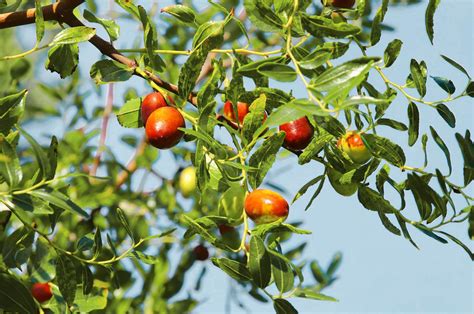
77, 225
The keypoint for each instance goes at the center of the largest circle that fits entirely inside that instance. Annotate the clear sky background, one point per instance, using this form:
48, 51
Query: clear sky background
380, 271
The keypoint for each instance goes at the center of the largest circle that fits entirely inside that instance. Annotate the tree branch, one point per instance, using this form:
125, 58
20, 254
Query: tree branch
62, 11
52, 12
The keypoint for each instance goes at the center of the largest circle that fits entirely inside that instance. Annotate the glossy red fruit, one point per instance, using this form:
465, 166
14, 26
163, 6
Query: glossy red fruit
299, 134
344, 4
41, 291
162, 127
150, 103
242, 111
265, 206
201, 253
351, 143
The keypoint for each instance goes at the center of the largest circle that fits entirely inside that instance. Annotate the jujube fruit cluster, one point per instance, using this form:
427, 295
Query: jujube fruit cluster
41, 291
265, 206
161, 121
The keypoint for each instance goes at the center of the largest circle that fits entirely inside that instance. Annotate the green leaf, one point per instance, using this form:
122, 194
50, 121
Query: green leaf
254, 119
234, 269
11, 109
405, 232
264, 157
388, 224
52, 158
282, 273
208, 36
63, 59
458, 242
318, 273
262, 16
89, 303
129, 115
112, 28
107, 71
376, 31
199, 229
10, 168
151, 42
123, 220
278, 72
445, 84
372, 200
430, 233
308, 293
443, 147
181, 12
57, 198
384, 148
282, 306
419, 77
232, 202
393, 124
413, 123
15, 296
314, 147
315, 59
305, 187
85, 243
455, 64
259, 262
73, 35
446, 114
39, 21
148, 259
41, 157
466, 145
66, 278
97, 243
470, 89
425, 197
392, 51
341, 74
335, 263
429, 14
250, 69
356, 100
315, 194
320, 26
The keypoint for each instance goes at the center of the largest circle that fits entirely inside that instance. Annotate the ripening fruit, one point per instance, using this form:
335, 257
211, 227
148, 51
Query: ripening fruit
201, 253
242, 110
344, 4
298, 134
187, 181
345, 189
265, 206
162, 127
41, 291
354, 147
150, 103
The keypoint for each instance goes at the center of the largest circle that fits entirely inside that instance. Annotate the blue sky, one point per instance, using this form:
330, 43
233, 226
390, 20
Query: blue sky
380, 272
